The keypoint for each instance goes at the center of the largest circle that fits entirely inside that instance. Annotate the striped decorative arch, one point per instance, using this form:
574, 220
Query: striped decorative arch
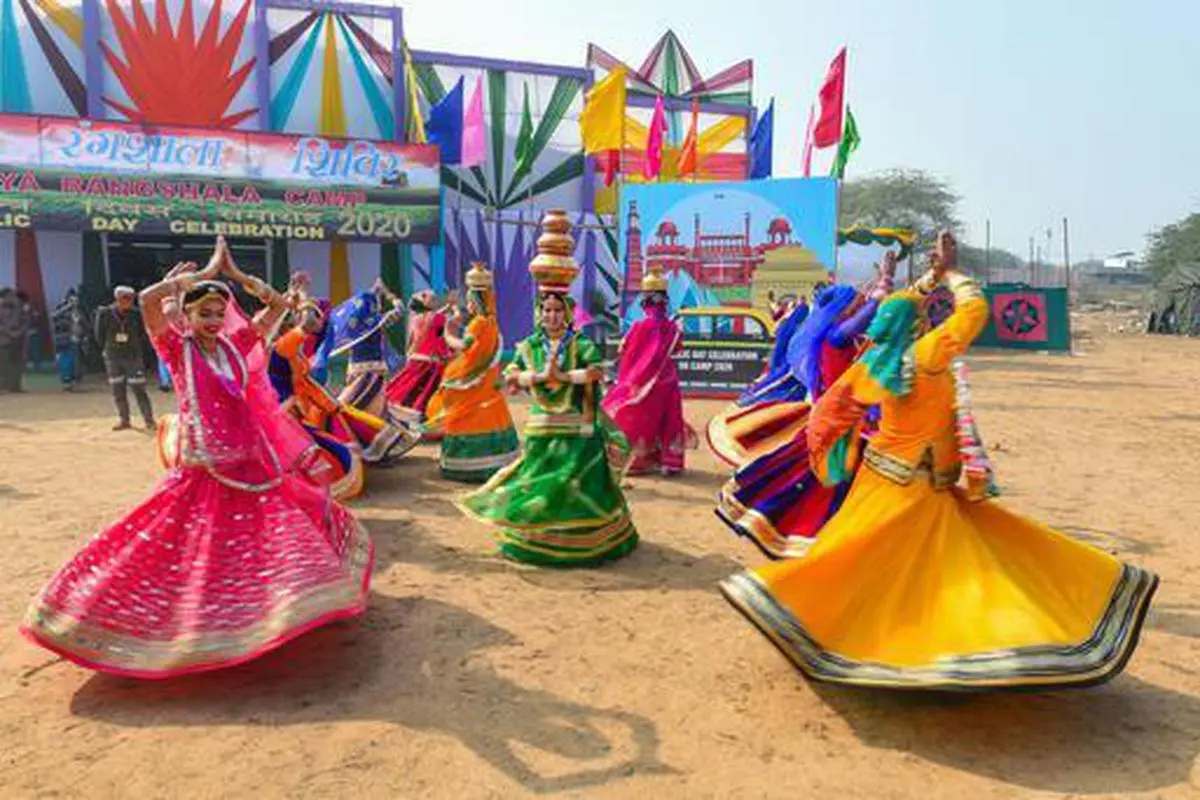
41, 57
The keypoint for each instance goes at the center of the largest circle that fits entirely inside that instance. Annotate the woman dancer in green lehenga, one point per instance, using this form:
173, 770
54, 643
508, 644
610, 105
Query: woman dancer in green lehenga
560, 504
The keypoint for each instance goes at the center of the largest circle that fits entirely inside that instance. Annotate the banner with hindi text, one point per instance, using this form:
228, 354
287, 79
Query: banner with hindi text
83, 175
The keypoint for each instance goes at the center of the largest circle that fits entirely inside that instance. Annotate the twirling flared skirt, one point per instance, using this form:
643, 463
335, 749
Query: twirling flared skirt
410, 390
913, 587
202, 576
742, 434
777, 502
559, 505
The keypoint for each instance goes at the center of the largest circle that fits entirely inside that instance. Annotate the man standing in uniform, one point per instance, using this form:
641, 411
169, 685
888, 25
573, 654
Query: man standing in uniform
123, 341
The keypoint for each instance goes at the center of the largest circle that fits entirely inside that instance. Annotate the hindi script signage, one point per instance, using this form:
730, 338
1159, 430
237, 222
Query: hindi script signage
72, 174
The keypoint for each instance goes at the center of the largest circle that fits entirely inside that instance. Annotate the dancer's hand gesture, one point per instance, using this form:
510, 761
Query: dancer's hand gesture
216, 262
299, 282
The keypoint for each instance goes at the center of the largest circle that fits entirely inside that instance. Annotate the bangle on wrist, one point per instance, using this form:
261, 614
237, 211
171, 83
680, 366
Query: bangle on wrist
259, 288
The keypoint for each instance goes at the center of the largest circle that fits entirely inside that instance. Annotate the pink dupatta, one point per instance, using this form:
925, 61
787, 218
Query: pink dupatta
646, 402
283, 432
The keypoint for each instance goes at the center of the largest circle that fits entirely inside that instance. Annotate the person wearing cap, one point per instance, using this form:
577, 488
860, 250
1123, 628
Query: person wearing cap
123, 343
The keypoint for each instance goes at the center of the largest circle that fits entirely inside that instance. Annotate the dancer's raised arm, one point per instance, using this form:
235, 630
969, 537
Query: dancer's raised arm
177, 282
276, 304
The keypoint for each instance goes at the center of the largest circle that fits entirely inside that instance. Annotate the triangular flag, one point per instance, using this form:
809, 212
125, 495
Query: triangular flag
602, 122
652, 164
689, 153
828, 130
850, 142
445, 126
474, 138
808, 142
762, 144
524, 150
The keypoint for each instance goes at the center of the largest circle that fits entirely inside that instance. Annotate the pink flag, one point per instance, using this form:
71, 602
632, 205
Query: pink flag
652, 164
808, 142
474, 151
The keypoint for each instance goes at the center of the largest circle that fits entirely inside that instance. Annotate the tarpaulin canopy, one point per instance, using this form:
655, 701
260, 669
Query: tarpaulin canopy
1176, 307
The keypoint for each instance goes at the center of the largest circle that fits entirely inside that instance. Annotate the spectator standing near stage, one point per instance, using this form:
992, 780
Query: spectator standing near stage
69, 326
122, 339
33, 332
13, 335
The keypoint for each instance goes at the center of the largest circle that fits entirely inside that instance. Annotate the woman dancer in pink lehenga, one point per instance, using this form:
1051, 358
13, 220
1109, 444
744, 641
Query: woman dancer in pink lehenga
646, 403
231, 556
296, 449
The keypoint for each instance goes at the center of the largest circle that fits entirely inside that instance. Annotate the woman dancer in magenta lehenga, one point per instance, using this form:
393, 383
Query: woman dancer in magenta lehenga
230, 556
646, 403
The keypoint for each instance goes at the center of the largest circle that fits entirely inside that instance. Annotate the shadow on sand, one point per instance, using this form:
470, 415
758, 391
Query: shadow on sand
651, 567
1093, 741
411, 662
1179, 620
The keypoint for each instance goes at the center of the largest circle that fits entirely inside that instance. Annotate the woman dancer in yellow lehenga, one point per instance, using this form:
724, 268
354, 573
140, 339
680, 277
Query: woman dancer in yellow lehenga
916, 583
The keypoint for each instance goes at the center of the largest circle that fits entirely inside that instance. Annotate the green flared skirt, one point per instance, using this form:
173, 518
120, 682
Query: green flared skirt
560, 505
474, 458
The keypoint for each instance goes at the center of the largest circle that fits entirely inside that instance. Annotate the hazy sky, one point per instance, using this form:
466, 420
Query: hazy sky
1033, 109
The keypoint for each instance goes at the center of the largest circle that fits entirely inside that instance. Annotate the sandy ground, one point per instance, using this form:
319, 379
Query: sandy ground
471, 678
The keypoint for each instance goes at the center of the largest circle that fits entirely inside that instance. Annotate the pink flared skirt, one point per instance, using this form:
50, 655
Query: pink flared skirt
413, 386
202, 576
653, 423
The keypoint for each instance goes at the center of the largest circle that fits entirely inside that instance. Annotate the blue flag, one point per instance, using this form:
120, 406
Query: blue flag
445, 125
762, 143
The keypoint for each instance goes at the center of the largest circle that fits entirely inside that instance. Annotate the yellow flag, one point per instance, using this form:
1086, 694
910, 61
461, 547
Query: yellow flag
416, 123
603, 115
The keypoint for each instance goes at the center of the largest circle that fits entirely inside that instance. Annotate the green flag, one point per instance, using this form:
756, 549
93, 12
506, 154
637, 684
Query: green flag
849, 144
524, 151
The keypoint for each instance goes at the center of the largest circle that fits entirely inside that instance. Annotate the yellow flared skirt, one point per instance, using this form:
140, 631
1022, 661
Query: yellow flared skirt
915, 587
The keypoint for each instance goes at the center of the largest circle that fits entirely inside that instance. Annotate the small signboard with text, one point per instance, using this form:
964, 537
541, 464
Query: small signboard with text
720, 369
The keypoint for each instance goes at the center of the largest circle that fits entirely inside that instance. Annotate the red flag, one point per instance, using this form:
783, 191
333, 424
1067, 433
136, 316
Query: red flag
828, 130
808, 142
612, 165
688, 151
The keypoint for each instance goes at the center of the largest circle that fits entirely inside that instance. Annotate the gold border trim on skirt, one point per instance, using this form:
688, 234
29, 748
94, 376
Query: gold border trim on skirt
1093, 661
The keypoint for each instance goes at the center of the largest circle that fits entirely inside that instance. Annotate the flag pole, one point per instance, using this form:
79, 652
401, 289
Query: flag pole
620, 184
696, 158
987, 251
1067, 259
458, 224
